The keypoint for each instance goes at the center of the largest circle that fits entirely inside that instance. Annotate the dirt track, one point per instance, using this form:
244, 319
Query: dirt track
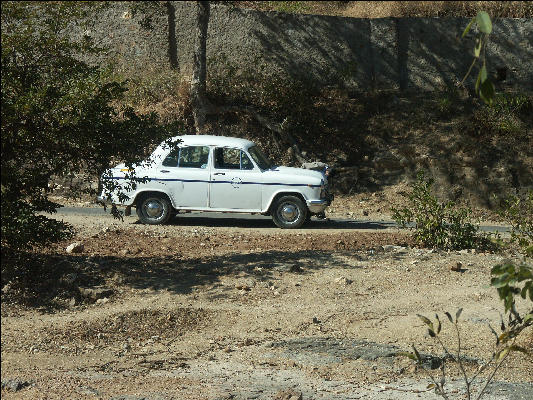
203, 312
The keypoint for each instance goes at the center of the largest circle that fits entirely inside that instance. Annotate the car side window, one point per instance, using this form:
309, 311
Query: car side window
227, 158
246, 163
188, 157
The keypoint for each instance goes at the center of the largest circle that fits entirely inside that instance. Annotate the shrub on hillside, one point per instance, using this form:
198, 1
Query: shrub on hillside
517, 211
437, 224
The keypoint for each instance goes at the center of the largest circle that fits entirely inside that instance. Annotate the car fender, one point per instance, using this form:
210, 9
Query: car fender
141, 192
284, 192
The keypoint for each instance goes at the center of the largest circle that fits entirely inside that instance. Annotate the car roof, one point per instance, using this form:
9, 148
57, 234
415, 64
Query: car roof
212, 140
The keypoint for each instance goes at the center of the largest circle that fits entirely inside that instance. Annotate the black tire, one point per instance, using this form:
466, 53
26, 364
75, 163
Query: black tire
289, 212
153, 209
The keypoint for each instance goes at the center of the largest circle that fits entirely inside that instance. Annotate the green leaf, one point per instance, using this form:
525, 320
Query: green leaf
518, 348
502, 280
477, 48
502, 354
417, 354
483, 73
449, 316
478, 82
467, 29
458, 314
430, 386
487, 92
431, 333
484, 22
426, 320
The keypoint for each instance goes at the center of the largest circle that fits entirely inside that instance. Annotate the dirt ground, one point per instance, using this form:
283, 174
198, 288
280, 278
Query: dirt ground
243, 310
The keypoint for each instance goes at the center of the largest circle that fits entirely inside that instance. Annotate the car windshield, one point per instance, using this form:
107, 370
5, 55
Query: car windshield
260, 158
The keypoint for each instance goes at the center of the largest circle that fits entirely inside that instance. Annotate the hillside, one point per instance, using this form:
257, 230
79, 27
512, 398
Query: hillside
399, 9
377, 140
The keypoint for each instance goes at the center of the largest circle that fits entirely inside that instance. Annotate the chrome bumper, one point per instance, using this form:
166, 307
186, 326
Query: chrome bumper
103, 200
317, 206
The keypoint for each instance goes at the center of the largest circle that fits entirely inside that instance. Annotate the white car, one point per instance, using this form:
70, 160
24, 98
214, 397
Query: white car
217, 173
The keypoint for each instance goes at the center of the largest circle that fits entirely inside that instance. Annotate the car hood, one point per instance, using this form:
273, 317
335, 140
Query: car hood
300, 174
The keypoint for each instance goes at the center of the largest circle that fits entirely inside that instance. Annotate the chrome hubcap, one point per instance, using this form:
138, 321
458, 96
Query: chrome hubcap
289, 212
153, 209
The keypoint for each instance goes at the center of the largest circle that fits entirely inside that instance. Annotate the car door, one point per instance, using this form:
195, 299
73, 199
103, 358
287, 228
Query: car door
236, 182
185, 173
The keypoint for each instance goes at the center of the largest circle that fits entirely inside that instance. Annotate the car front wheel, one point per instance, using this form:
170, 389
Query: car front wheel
289, 212
153, 209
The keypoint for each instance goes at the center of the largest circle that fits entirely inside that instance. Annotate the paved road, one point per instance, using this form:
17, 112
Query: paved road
260, 221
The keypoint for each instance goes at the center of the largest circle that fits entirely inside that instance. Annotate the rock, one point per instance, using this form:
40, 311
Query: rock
456, 266
76, 247
343, 280
295, 268
7, 288
124, 252
14, 385
89, 391
102, 301
289, 394
246, 286
289, 268
398, 249
95, 293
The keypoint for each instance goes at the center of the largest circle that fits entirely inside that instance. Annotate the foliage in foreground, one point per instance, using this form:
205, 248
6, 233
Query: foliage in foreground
510, 280
437, 224
58, 116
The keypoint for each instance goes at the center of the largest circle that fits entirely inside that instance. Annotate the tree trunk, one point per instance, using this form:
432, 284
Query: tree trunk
199, 100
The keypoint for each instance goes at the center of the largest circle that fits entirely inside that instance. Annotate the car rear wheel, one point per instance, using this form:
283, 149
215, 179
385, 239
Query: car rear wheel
153, 209
289, 212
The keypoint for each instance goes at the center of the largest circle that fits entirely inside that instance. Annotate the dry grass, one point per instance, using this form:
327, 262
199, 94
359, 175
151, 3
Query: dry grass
398, 9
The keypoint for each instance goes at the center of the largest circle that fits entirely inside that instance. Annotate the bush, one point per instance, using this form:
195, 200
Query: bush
254, 86
518, 212
58, 116
437, 224
507, 116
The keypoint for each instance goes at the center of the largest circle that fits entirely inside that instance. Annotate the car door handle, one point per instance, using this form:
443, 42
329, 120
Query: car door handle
164, 170
220, 173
